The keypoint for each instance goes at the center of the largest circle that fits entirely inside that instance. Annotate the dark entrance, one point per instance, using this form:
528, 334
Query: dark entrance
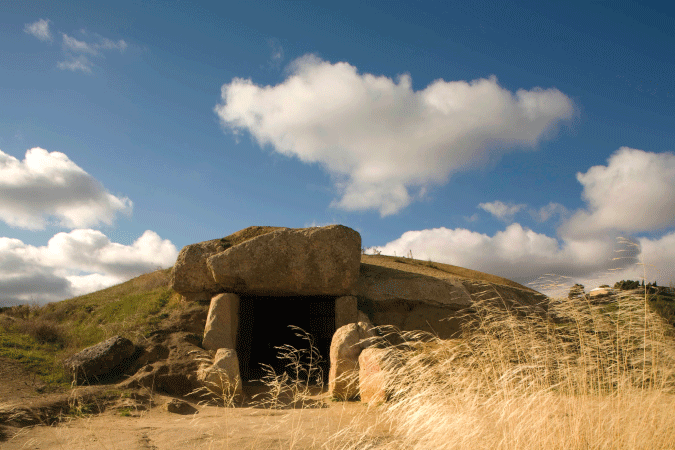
264, 324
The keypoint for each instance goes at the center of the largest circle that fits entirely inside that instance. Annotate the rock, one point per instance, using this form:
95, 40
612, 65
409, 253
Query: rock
169, 365
108, 359
372, 376
346, 311
222, 322
345, 348
306, 261
390, 317
435, 320
191, 277
383, 284
222, 377
176, 406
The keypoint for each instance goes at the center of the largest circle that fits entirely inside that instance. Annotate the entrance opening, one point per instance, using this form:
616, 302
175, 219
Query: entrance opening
264, 324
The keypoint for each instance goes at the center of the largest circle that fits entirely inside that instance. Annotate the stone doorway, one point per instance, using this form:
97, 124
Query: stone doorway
264, 324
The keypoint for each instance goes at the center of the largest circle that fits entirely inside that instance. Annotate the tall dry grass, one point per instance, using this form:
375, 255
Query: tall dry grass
579, 375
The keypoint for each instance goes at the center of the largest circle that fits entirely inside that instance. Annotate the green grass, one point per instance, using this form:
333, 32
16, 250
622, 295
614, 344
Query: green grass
41, 337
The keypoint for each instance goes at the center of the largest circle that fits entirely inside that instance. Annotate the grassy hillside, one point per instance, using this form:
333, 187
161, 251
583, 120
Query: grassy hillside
40, 337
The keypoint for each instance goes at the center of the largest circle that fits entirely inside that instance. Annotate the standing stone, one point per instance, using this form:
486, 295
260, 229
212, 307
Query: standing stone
222, 377
306, 261
372, 376
222, 322
346, 311
345, 348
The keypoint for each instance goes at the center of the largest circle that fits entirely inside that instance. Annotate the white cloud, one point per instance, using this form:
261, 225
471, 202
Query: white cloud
76, 263
502, 211
40, 30
377, 137
72, 44
74, 64
544, 213
49, 185
635, 192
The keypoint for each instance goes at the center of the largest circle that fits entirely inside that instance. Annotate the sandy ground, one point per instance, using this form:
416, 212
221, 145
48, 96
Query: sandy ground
336, 425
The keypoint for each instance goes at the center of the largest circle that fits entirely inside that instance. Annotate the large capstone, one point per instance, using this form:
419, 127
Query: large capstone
306, 261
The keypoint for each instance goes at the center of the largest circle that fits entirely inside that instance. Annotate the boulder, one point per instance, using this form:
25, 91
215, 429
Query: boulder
438, 321
372, 376
222, 322
384, 284
345, 348
306, 261
222, 377
191, 277
106, 360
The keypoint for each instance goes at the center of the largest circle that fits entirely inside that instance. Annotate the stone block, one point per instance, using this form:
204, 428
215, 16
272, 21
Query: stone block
345, 348
222, 377
222, 322
372, 389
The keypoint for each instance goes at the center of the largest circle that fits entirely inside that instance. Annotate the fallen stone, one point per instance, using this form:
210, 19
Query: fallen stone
372, 389
222, 322
222, 377
306, 261
345, 348
108, 359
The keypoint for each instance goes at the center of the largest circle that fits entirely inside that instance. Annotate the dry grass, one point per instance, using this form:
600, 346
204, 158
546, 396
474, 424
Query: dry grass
582, 376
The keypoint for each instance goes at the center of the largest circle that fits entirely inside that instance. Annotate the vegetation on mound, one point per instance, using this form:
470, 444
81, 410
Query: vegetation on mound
40, 337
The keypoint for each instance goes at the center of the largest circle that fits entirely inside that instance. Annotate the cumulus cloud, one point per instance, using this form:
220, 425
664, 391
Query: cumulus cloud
502, 211
76, 263
381, 141
535, 259
72, 44
40, 30
516, 252
76, 51
49, 185
634, 192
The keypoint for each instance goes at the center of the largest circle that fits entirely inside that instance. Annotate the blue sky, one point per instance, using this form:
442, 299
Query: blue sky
516, 138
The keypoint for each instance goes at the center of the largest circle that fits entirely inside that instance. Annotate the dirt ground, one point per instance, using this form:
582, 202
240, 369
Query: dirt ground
129, 426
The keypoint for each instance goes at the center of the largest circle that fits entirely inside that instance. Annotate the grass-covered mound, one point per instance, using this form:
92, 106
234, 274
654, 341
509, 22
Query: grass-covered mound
41, 337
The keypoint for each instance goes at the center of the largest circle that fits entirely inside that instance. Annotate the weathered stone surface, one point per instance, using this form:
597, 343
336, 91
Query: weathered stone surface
191, 277
307, 261
391, 318
107, 359
182, 407
222, 377
383, 284
222, 322
345, 348
372, 389
346, 311
435, 320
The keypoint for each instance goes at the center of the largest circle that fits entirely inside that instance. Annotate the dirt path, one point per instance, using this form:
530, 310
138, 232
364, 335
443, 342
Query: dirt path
211, 428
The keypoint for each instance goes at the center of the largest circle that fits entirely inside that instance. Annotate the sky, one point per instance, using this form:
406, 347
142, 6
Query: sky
531, 140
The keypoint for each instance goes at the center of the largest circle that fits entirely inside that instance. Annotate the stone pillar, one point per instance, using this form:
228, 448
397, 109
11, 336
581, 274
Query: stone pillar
371, 376
222, 377
222, 322
345, 348
346, 311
